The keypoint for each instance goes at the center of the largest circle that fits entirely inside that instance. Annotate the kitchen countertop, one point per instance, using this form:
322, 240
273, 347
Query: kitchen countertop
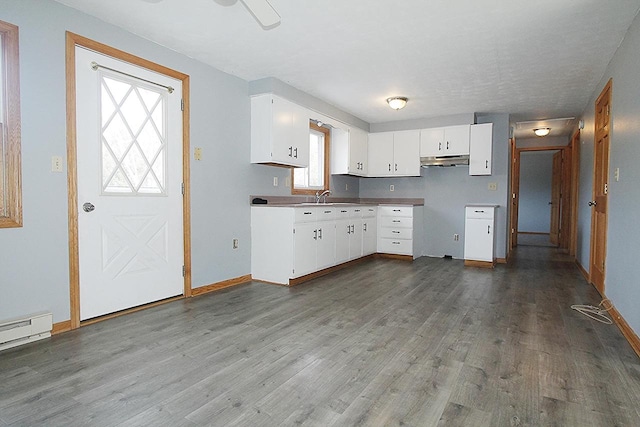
293, 201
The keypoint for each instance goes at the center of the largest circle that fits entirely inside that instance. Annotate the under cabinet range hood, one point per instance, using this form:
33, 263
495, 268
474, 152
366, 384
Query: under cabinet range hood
443, 161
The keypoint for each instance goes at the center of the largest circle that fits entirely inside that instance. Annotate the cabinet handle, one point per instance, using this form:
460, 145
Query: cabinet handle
479, 211
447, 145
327, 212
307, 213
395, 243
439, 146
486, 164
364, 226
290, 151
389, 167
396, 167
395, 220
397, 210
295, 151
488, 229
395, 232
320, 233
315, 234
348, 229
353, 230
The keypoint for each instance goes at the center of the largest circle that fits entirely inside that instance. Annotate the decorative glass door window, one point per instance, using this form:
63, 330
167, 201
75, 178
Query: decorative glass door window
133, 134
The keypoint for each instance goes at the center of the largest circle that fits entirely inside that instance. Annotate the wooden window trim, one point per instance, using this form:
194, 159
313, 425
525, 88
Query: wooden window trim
10, 160
327, 144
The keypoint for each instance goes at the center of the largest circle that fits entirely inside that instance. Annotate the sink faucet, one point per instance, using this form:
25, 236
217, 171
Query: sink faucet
324, 195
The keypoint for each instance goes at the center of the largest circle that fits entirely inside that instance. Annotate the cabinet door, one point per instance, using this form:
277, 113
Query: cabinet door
355, 239
357, 152
326, 243
380, 154
431, 142
343, 232
406, 153
369, 238
281, 143
299, 134
304, 249
478, 239
480, 149
456, 140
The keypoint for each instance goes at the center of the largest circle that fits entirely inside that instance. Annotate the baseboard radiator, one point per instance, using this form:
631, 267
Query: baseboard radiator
21, 330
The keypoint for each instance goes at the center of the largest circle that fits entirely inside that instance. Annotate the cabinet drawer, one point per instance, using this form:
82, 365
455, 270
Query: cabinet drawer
480, 212
305, 214
342, 213
369, 211
396, 233
395, 246
356, 212
325, 214
405, 211
396, 222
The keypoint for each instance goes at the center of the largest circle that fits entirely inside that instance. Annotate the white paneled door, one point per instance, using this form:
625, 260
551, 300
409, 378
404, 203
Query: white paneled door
129, 168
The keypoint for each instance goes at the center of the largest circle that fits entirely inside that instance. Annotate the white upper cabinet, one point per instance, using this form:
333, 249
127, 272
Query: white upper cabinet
446, 141
279, 131
348, 152
481, 149
394, 153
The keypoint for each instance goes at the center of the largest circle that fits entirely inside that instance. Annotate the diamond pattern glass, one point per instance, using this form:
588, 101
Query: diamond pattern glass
134, 142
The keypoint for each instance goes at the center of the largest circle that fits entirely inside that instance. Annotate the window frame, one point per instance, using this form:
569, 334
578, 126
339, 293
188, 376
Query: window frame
10, 167
327, 145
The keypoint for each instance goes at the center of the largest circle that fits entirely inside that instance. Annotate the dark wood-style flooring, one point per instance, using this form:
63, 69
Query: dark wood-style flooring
384, 343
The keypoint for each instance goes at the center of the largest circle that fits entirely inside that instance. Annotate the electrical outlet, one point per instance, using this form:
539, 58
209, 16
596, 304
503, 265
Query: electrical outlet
56, 164
493, 186
392, 187
456, 237
197, 153
287, 182
275, 181
346, 187
235, 244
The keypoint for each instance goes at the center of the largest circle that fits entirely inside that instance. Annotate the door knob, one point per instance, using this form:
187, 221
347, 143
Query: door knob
88, 207
592, 203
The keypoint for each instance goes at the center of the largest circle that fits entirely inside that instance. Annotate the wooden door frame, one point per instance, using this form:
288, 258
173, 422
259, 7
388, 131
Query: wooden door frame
606, 91
516, 160
514, 195
73, 40
575, 184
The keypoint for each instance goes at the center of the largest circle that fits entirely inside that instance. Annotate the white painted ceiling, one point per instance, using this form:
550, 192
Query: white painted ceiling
535, 60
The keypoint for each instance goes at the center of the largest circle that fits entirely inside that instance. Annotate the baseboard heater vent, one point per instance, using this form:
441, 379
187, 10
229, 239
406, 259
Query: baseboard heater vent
21, 330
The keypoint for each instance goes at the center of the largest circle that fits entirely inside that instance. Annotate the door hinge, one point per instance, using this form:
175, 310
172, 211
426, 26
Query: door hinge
606, 188
184, 271
294, 231
182, 105
182, 188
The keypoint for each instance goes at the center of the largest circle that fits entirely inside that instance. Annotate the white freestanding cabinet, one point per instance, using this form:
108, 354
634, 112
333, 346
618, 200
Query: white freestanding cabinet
349, 152
446, 141
479, 235
394, 153
480, 149
400, 230
279, 131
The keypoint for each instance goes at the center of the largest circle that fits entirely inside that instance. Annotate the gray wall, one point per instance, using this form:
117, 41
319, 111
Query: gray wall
446, 191
534, 214
623, 242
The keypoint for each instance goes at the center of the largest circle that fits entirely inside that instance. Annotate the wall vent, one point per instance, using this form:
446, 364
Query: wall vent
21, 330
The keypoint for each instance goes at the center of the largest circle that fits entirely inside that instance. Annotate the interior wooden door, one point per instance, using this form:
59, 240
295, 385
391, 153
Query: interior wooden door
556, 185
515, 183
600, 189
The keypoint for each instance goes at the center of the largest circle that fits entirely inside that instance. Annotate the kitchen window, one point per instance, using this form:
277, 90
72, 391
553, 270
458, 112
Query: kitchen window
10, 175
315, 177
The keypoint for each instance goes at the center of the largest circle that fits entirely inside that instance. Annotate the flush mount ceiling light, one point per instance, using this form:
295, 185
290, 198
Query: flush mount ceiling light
542, 131
397, 102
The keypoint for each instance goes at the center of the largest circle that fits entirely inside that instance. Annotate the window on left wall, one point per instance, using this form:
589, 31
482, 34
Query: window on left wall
314, 178
10, 163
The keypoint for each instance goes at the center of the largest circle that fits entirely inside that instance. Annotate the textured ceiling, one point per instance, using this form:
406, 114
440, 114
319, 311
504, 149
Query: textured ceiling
532, 59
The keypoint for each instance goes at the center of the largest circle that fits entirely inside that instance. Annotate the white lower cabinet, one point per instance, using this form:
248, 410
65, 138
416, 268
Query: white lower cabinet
479, 234
290, 242
400, 230
369, 230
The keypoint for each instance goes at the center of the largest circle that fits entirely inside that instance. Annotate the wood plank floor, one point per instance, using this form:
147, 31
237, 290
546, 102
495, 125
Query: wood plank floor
385, 343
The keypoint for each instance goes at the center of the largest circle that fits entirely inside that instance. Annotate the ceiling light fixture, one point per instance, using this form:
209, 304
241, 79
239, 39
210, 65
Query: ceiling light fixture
397, 102
542, 131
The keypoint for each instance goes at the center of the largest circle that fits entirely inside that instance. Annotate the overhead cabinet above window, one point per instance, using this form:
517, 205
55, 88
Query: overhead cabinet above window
279, 132
349, 152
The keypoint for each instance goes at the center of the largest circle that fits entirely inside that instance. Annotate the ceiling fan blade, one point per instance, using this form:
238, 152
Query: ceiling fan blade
263, 12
